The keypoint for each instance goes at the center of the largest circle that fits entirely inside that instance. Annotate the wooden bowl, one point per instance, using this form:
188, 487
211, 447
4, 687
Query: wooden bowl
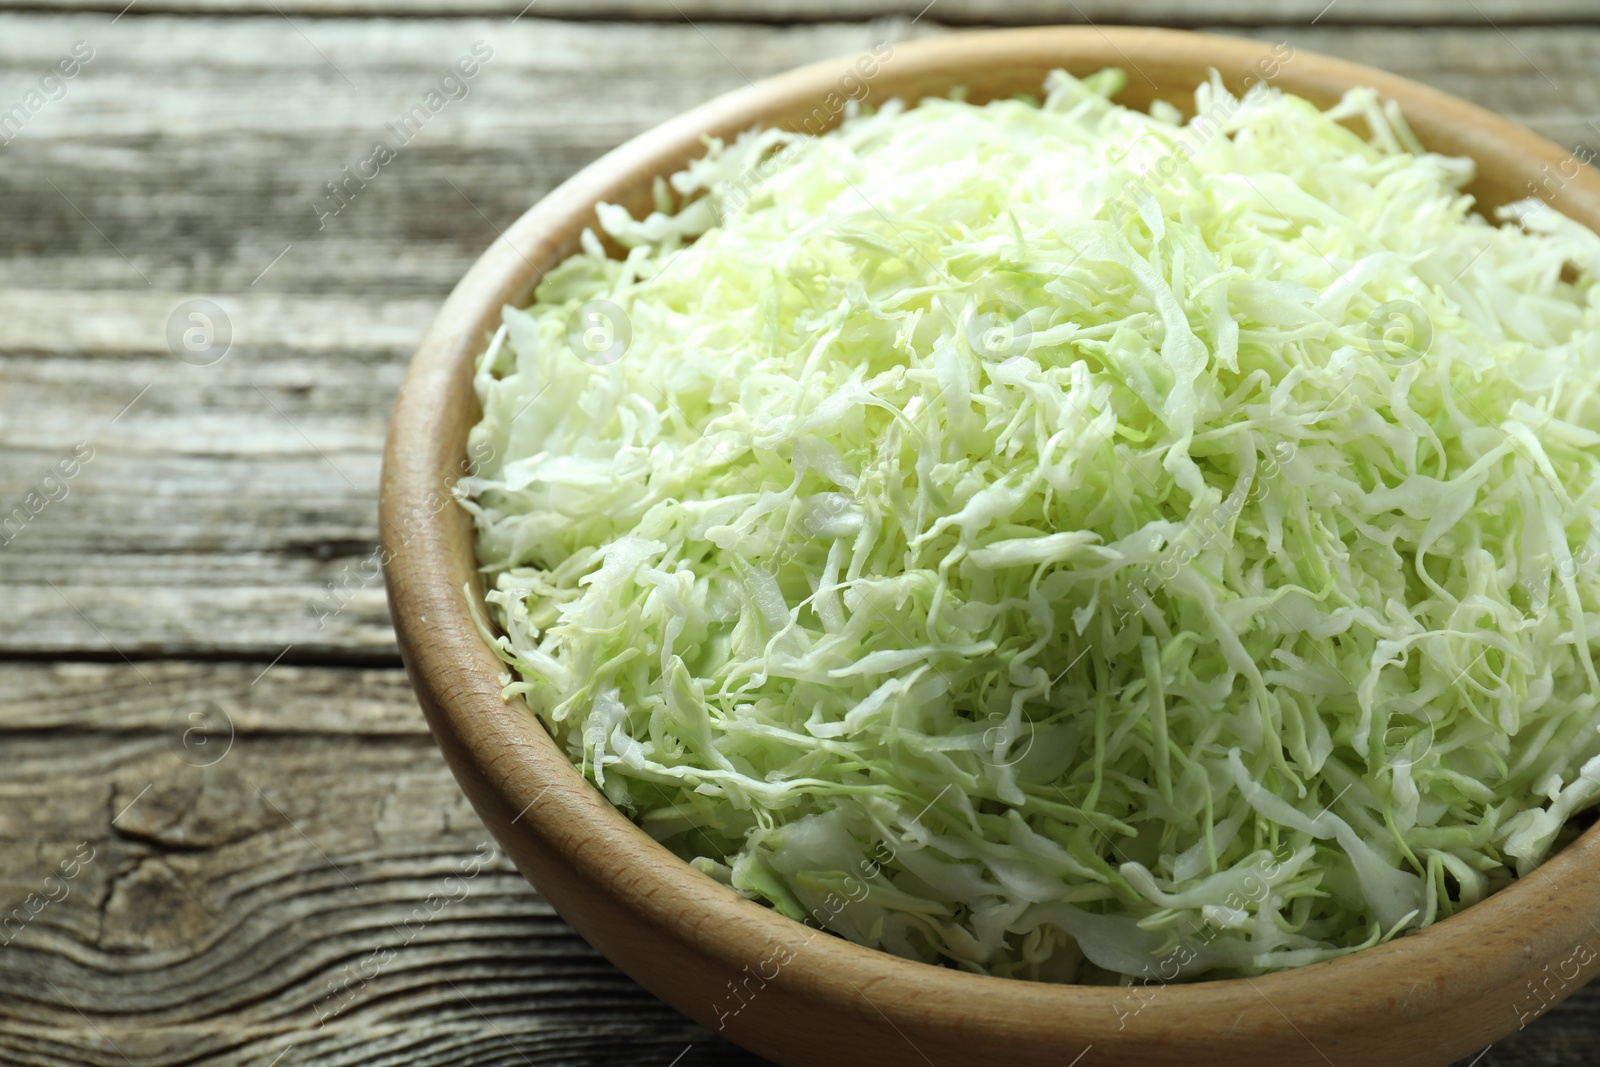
782, 989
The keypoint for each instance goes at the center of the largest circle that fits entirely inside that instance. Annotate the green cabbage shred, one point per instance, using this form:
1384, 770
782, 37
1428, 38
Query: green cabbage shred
972, 546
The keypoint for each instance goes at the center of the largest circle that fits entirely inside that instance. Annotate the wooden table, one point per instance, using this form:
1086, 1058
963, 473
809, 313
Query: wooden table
220, 811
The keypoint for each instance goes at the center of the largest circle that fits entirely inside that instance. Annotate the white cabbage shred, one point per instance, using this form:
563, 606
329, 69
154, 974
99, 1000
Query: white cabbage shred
1001, 558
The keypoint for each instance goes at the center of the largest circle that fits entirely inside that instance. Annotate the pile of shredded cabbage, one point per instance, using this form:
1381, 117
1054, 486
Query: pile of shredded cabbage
1055, 541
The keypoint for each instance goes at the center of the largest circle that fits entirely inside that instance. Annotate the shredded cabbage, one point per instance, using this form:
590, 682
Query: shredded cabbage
952, 535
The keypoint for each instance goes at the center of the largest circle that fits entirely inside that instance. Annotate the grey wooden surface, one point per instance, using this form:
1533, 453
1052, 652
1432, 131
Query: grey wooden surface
202, 715
1249, 13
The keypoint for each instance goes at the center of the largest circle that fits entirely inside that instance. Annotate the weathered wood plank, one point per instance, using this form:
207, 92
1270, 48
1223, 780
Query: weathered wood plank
113, 701
321, 883
218, 507
1110, 12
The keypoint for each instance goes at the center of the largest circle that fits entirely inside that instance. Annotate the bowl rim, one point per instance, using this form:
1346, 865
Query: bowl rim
512, 769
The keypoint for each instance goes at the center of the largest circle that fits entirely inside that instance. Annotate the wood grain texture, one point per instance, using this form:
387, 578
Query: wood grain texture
181, 162
307, 886
959, 12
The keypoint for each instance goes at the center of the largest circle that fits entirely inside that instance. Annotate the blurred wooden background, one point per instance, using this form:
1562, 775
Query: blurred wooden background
220, 812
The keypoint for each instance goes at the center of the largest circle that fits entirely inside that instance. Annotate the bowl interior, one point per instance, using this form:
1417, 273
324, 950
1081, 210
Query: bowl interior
1435, 995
